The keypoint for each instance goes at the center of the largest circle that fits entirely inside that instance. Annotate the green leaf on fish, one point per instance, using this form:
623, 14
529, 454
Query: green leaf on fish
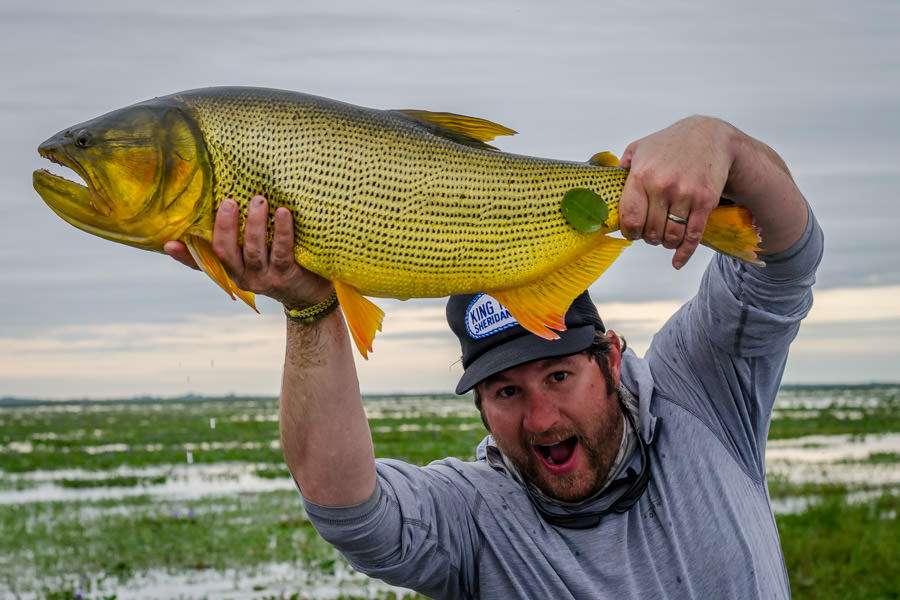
585, 210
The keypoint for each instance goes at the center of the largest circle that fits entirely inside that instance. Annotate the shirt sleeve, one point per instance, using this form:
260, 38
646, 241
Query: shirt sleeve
415, 531
746, 309
723, 354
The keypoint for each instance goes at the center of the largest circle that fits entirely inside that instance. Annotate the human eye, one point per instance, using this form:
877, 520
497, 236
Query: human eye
559, 376
507, 391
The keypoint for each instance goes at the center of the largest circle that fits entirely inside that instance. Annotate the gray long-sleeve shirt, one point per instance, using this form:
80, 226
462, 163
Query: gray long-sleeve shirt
703, 528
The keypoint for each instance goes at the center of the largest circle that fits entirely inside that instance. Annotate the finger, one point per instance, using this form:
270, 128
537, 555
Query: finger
291, 284
256, 248
179, 252
692, 236
674, 235
633, 208
282, 255
657, 219
225, 237
625, 160
674, 230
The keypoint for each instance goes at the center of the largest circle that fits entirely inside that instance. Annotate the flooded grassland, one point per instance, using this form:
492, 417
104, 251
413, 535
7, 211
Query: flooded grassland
190, 498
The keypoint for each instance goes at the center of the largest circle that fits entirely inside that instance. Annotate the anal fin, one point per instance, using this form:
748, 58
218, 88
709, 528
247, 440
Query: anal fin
540, 306
201, 249
362, 315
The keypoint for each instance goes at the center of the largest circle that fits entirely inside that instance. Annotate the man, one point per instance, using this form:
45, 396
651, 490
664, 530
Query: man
605, 475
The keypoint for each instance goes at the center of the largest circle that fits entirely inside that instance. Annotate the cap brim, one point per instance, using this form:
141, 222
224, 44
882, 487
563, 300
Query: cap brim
524, 349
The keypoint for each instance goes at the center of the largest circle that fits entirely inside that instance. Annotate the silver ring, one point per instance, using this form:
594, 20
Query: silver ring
677, 219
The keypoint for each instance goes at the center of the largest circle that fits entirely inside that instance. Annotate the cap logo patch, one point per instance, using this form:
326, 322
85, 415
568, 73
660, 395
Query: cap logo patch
485, 316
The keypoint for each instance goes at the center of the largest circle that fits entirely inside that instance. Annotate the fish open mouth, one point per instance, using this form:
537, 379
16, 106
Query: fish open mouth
63, 191
557, 453
73, 202
77, 204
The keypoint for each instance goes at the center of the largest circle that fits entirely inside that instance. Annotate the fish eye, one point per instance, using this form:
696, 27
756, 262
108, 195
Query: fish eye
82, 138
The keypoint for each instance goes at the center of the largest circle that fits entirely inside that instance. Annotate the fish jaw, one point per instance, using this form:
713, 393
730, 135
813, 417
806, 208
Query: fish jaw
74, 204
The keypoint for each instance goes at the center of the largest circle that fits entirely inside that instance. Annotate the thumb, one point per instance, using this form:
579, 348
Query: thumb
179, 252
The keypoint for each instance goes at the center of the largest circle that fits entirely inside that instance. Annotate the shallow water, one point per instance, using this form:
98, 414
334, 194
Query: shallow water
272, 581
810, 459
183, 482
831, 448
814, 399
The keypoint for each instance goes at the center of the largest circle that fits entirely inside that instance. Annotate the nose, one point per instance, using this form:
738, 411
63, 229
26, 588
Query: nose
541, 412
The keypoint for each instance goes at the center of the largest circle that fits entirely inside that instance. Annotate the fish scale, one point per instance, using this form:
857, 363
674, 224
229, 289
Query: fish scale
457, 217
400, 204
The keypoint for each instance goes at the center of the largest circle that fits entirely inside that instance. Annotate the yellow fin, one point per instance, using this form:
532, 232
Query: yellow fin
604, 159
471, 131
730, 230
540, 307
201, 249
363, 317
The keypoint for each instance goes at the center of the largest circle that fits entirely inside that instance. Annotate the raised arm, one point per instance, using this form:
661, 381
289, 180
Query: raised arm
686, 168
325, 436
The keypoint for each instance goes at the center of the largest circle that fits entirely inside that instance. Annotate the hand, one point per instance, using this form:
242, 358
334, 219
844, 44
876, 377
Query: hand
681, 170
254, 266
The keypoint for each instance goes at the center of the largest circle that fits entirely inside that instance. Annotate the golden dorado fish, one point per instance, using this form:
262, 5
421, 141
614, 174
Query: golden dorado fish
386, 203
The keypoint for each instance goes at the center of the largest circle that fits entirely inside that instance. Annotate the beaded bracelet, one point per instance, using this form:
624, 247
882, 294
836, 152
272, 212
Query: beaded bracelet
313, 313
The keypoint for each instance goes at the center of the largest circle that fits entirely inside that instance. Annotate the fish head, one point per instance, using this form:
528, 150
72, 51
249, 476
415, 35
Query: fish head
146, 171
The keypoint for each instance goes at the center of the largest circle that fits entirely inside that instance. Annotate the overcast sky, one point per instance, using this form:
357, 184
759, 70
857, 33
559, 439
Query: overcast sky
83, 317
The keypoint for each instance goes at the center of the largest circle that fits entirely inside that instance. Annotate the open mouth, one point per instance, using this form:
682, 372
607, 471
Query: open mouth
558, 453
62, 190
51, 153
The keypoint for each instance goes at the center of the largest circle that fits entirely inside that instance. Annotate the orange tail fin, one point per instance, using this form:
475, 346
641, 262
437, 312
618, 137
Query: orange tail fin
730, 230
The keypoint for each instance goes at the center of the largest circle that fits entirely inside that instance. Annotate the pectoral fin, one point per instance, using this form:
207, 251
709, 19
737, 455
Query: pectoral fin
540, 307
730, 230
363, 317
201, 249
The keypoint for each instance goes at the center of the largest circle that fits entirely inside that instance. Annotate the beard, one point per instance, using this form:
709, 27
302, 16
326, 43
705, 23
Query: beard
599, 440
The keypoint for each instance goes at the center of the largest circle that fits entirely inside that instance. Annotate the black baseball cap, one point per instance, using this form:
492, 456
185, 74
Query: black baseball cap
492, 340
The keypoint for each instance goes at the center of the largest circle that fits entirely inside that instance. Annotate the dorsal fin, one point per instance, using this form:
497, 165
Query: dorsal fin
470, 131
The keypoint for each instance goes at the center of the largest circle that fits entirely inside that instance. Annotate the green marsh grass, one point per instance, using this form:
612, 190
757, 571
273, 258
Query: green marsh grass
833, 549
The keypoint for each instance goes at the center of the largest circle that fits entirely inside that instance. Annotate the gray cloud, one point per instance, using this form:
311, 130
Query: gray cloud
817, 82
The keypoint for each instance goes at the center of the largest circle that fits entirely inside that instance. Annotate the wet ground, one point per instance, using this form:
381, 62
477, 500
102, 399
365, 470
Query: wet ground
864, 464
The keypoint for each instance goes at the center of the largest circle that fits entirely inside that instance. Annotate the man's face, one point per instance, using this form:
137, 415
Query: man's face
557, 421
